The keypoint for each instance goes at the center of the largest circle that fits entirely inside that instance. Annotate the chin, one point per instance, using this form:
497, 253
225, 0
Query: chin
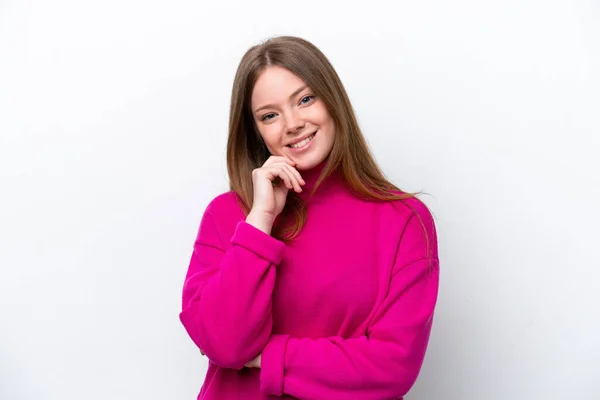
307, 165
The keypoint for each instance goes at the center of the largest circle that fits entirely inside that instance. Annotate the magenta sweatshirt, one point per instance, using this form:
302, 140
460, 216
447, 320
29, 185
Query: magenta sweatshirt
342, 312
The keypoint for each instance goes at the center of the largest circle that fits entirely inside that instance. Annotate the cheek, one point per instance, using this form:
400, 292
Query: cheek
331, 134
271, 137
330, 126
325, 119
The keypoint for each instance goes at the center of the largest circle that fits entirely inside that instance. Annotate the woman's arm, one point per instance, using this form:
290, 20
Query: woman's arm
382, 364
226, 305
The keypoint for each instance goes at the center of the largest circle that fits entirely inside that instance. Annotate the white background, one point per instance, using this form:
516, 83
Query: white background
113, 119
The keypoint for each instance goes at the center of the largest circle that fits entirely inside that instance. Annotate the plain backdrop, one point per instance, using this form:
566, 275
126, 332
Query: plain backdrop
113, 126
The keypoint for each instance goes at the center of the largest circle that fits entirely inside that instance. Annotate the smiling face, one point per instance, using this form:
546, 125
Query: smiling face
292, 121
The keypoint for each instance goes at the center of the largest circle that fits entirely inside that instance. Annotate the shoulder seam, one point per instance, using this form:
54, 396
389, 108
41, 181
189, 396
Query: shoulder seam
212, 221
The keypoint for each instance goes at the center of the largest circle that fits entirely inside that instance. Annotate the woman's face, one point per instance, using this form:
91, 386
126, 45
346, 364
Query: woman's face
292, 121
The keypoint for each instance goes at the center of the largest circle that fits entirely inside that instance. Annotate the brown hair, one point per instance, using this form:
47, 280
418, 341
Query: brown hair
350, 155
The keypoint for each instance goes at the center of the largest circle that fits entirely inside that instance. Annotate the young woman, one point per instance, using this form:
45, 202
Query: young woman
314, 277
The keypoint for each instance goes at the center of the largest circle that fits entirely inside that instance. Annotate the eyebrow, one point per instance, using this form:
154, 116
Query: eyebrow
296, 92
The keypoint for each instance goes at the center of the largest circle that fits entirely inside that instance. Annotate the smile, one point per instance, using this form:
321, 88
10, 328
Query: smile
302, 143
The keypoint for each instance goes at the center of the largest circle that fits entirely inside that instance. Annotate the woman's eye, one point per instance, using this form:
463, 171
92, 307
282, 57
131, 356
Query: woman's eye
267, 117
306, 99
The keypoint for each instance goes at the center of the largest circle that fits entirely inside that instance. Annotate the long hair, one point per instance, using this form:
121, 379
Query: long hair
350, 155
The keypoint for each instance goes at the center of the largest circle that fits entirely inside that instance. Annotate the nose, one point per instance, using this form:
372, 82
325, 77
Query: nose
293, 122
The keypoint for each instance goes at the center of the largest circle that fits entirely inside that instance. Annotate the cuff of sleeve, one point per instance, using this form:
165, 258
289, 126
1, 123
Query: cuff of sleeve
272, 365
258, 242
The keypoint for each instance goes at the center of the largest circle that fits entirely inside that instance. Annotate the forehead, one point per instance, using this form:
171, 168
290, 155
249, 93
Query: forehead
275, 85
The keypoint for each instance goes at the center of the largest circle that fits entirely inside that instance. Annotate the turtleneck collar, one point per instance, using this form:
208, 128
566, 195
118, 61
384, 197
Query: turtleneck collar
311, 177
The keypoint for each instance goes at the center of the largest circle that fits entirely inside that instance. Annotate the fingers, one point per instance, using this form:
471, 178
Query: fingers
278, 160
286, 174
296, 178
297, 175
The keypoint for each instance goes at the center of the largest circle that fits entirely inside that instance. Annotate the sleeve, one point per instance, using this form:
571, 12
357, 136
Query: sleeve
226, 302
385, 362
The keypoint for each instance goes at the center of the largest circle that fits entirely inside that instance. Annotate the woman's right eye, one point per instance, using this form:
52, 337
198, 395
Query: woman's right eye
267, 117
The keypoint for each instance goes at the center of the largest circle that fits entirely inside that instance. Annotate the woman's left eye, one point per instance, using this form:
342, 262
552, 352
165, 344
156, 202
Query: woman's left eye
306, 99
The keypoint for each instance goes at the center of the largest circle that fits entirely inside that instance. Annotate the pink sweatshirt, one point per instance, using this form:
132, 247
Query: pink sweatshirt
342, 312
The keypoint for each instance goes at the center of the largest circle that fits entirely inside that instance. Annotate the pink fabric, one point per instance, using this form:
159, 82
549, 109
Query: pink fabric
342, 312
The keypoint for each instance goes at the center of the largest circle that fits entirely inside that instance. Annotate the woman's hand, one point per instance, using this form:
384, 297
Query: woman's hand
255, 363
271, 183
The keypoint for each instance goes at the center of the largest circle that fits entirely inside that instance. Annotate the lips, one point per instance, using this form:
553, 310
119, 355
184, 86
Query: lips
302, 141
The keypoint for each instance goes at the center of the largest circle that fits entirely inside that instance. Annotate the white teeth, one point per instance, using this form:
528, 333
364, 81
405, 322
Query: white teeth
303, 142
